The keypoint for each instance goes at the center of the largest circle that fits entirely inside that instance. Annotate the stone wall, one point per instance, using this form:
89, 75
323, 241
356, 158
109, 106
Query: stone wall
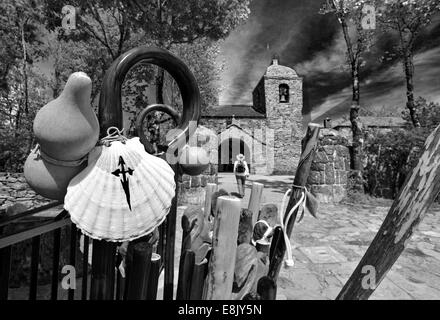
192, 189
330, 169
14, 189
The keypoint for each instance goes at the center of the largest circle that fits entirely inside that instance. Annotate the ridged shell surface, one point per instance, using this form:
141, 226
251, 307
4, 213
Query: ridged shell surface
123, 194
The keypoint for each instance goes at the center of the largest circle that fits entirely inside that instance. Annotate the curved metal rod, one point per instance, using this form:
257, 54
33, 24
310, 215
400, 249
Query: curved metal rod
110, 106
141, 117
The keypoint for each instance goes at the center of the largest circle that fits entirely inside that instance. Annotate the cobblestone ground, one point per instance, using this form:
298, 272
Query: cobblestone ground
328, 250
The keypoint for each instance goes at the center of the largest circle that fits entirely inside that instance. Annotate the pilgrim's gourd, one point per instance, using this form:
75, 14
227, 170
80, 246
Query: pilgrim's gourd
66, 130
193, 160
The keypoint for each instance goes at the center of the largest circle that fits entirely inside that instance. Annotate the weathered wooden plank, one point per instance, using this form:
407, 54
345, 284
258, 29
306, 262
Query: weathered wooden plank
224, 242
72, 256
408, 210
185, 276
103, 270
138, 268
245, 272
46, 210
5, 268
255, 200
198, 280
55, 264
168, 291
23, 235
85, 267
267, 288
309, 144
153, 278
210, 189
245, 227
35, 261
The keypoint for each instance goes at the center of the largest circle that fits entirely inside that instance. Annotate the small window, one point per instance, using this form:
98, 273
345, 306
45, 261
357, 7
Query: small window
284, 93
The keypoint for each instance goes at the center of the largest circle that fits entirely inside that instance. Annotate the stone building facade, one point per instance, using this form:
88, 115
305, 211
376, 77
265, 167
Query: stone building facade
269, 131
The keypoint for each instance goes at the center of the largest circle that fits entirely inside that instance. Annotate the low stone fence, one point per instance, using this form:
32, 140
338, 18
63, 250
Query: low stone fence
14, 189
192, 189
330, 169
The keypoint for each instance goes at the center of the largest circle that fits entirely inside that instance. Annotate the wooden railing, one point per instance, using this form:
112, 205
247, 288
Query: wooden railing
54, 220
53, 225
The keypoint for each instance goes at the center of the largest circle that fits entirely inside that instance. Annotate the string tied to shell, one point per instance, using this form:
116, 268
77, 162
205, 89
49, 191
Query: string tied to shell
113, 134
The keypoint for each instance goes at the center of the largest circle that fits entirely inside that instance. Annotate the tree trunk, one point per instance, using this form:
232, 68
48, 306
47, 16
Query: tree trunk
420, 190
409, 75
159, 85
24, 68
356, 125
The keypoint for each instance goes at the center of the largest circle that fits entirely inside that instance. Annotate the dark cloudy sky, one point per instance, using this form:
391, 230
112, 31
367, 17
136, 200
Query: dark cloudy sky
312, 44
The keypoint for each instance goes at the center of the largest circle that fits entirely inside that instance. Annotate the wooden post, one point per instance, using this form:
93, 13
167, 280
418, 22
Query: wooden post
210, 189
5, 268
267, 288
103, 270
255, 200
185, 275
309, 144
138, 269
245, 227
153, 278
420, 190
245, 272
198, 280
168, 288
224, 246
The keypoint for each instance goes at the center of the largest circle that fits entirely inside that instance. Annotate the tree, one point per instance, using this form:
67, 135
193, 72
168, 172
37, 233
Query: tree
358, 39
174, 22
106, 21
428, 114
18, 29
408, 18
16, 135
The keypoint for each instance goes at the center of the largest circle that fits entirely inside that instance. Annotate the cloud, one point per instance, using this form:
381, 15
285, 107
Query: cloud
314, 46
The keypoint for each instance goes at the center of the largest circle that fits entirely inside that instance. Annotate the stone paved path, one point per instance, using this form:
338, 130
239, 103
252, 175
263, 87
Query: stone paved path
328, 250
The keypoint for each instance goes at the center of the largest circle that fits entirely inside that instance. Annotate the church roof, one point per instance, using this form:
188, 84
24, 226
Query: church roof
376, 122
229, 111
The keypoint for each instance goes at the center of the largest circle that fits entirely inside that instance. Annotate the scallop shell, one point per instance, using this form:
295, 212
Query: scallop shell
123, 194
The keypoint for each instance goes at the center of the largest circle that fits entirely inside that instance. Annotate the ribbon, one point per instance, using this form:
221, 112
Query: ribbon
62, 163
302, 202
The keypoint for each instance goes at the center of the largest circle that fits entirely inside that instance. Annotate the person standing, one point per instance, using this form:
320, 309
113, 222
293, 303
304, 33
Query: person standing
241, 171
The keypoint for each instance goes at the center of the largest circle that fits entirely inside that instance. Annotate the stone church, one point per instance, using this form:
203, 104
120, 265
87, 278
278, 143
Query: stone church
269, 131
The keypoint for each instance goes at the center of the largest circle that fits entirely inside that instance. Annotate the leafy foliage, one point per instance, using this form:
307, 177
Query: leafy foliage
428, 112
32, 31
391, 155
16, 136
